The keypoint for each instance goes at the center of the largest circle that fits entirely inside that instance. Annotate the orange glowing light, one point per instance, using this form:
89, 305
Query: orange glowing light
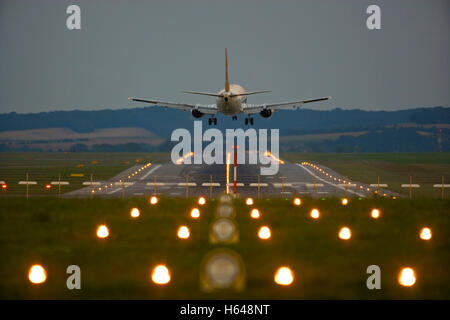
135, 213
264, 233
407, 277
201, 201
195, 213
375, 213
183, 232
315, 214
297, 201
344, 201
47, 186
37, 274
161, 275
154, 200
345, 233
249, 201
425, 234
255, 214
102, 231
284, 276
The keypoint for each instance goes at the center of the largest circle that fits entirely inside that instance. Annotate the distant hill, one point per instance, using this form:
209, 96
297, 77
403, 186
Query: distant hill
309, 130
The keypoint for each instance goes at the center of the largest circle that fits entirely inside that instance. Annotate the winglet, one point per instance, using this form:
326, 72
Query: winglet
227, 83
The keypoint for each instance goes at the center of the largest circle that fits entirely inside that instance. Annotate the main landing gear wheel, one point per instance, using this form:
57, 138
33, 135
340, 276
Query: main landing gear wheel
248, 120
234, 118
212, 121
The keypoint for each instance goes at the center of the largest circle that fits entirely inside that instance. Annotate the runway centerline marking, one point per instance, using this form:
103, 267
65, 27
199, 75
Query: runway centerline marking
331, 184
150, 171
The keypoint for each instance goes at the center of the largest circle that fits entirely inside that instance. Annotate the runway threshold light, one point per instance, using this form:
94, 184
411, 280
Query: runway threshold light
195, 213
407, 277
37, 274
154, 200
161, 275
315, 214
201, 201
425, 234
102, 231
264, 233
345, 233
135, 213
254, 214
284, 276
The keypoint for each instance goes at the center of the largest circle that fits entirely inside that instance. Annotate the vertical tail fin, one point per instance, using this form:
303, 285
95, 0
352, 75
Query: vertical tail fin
227, 83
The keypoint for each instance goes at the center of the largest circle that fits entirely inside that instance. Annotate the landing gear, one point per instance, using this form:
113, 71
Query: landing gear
212, 121
248, 120
234, 118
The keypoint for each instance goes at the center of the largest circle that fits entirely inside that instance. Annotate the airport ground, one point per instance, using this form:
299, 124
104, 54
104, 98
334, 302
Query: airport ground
57, 233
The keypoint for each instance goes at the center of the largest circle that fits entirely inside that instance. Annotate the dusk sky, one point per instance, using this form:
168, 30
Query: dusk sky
155, 49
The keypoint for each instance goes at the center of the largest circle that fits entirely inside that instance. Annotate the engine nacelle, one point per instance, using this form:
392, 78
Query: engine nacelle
197, 114
266, 113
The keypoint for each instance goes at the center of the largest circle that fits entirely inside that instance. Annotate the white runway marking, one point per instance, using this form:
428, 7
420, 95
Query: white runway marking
150, 171
331, 184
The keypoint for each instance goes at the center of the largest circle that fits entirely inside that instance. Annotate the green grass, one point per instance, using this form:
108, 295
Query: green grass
45, 167
60, 232
393, 169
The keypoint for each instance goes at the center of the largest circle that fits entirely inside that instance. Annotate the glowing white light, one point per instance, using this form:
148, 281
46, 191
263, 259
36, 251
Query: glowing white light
255, 214
345, 233
183, 232
154, 200
264, 233
425, 234
407, 277
102, 231
201, 201
375, 213
37, 274
315, 214
297, 201
344, 201
195, 213
284, 276
135, 213
160, 274
249, 201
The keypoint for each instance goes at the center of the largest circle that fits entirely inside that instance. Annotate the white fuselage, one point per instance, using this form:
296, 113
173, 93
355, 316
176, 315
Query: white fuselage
231, 105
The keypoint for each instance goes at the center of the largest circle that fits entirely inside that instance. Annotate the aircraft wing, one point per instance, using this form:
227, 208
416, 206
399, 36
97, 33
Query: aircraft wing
209, 109
256, 108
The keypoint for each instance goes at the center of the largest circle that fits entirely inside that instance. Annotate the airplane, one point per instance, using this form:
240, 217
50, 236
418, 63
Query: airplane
230, 101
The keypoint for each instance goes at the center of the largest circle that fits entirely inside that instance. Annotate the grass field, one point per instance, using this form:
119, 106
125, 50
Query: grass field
393, 169
44, 167
60, 232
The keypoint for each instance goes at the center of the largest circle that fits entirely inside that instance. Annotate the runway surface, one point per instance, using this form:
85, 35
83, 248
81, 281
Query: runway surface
292, 179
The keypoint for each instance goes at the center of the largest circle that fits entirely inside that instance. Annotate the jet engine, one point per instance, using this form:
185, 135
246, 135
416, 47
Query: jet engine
266, 113
197, 114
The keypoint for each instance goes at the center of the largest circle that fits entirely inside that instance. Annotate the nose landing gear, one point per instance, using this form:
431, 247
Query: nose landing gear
249, 120
212, 120
234, 118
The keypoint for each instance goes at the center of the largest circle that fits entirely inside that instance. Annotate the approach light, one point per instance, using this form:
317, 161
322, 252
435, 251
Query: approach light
195, 213
297, 201
284, 276
375, 213
255, 214
135, 213
102, 231
37, 274
315, 214
249, 201
425, 234
4, 186
264, 233
48, 186
344, 201
345, 233
201, 201
153, 200
183, 232
161, 275
407, 277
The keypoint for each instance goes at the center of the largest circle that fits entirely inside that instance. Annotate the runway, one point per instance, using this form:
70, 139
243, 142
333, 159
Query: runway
181, 180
